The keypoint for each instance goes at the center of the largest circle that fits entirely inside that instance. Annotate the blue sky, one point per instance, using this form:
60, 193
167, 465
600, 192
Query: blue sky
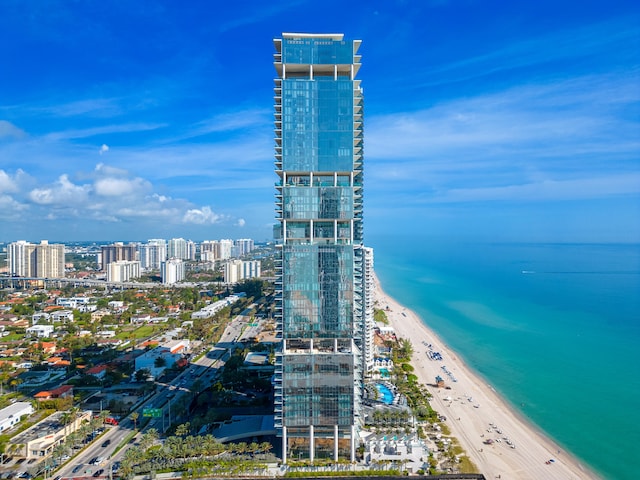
483, 120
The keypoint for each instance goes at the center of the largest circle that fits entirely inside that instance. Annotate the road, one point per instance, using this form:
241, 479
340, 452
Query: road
203, 370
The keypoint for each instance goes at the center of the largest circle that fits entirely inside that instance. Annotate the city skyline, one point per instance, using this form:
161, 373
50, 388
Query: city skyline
515, 122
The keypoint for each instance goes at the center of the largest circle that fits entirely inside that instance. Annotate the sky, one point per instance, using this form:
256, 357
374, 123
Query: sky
499, 121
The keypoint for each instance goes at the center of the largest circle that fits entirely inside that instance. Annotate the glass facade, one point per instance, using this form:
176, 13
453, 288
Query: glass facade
318, 136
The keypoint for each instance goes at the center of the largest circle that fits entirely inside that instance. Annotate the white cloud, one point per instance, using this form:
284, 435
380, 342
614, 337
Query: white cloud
95, 107
11, 209
234, 121
241, 222
63, 192
149, 210
104, 148
8, 183
9, 130
580, 188
118, 187
107, 129
108, 170
201, 216
531, 142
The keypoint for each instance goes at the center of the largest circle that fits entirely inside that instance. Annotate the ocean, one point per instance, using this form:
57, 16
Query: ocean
554, 328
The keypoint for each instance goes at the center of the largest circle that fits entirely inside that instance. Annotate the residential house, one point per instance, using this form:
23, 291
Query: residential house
140, 319
99, 371
116, 306
40, 331
62, 316
40, 317
48, 347
65, 391
98, 314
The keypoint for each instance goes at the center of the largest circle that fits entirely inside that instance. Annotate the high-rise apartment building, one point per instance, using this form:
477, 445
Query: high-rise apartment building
244, 246
172, 271
236, 270
320, 311
212, 250
181, 248
368, 302
153, 253
117, 252
43, 260
19, 258
123, 270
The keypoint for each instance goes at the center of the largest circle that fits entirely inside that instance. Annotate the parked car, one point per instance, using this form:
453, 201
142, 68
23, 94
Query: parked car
98, 473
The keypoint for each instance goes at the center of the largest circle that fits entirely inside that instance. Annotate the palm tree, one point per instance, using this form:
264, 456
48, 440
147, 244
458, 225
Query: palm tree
103, 415
183, 429
65, 419
265, 447
74, 436
253, 448
134, 416
59, 451
149, 438
74, 412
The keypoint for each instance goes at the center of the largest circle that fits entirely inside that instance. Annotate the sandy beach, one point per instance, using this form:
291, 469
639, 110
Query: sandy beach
475, 413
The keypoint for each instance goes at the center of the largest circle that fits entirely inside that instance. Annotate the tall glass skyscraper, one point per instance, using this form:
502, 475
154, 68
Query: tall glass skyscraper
318, 135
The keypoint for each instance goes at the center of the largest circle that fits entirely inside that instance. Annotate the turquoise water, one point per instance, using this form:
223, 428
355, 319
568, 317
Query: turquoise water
386, 395
553, 327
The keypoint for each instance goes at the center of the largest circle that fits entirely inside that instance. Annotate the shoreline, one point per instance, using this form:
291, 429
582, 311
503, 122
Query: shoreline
471, 406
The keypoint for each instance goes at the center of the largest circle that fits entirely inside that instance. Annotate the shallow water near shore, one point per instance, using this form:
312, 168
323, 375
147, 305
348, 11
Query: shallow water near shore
554, 328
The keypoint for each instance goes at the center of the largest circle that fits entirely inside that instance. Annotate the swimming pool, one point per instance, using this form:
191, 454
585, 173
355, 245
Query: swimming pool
386, 395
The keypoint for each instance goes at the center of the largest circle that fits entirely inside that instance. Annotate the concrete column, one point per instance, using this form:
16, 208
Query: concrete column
353, 443
311, 444
284, 445
335, 443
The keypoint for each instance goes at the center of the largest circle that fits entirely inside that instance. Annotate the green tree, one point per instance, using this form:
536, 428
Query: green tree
134, 417
149, 438
160, 362
183, 429
143, 375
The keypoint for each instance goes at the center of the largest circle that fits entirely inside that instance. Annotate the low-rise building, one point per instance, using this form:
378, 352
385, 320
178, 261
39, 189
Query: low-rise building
99, 371
11, 415
98, 314
40, 317
162, 357
40, 440
117, 306
39, 331
65, 391
62, 316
